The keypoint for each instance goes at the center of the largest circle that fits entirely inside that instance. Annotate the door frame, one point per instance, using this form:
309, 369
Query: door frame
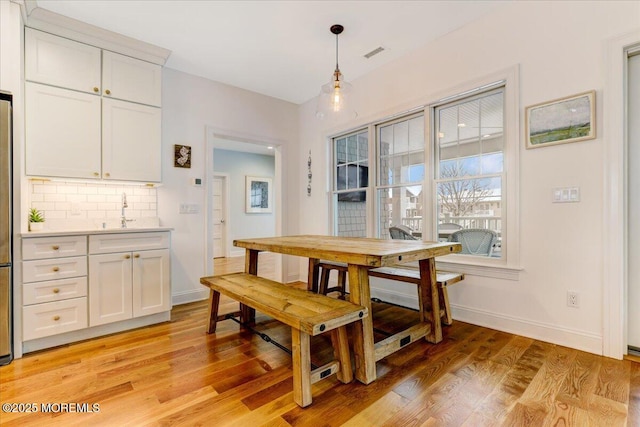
213, 133
227, 216
614, 279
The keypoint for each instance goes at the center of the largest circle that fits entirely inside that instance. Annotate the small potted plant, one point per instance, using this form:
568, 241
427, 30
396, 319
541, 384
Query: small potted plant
36, 220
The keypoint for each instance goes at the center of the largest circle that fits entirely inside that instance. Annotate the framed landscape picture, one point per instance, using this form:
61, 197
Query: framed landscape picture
259, 195
560, 121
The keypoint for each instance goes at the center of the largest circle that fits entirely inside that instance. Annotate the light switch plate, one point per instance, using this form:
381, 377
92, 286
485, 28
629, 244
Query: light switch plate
566, 195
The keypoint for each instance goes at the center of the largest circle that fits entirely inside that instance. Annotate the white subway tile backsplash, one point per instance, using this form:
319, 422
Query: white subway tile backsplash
54, 197
67, 189
106, 190
77, 206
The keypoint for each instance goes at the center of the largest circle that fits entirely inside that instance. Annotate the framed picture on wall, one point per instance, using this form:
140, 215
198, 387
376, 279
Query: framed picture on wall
569, 119
259, 195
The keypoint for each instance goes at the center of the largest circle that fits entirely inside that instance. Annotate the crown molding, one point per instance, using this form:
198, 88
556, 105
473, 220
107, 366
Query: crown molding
45, 20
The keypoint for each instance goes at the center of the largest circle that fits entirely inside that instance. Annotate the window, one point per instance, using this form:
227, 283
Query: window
401, 166
469, 178
351, 179
465, 176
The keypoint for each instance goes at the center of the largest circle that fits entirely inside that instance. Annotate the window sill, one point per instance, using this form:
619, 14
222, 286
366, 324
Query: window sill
475, 268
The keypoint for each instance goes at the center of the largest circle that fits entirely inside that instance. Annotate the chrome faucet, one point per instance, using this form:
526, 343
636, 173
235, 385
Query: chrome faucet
123, 219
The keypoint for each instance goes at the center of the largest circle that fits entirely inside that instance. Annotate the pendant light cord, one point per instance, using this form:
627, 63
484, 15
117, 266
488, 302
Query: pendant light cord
337, 67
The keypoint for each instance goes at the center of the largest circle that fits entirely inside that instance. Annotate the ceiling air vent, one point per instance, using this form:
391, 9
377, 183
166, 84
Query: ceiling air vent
374, 52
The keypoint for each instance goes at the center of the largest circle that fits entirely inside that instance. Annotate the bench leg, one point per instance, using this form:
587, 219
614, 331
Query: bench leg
447, 320
429, 286
300, 348
342, 280
214, 302
340, 342
324, 281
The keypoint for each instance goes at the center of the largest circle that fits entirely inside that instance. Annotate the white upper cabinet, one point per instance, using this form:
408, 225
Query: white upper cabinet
62, 132
61, 62
131, 141
90, 113
130, 79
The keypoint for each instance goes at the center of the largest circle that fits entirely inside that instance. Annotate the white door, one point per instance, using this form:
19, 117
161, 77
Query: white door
633, 194
218, 213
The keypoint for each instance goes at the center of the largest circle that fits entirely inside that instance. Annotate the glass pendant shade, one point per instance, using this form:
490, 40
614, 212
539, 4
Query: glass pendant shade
334, 101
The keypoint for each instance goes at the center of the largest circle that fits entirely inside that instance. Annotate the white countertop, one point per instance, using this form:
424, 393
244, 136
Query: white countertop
49, 233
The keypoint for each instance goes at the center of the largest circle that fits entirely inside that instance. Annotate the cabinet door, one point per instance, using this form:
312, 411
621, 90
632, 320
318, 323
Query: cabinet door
109, 288
131, 142
151, 282
62, 132
61, 62
131, 79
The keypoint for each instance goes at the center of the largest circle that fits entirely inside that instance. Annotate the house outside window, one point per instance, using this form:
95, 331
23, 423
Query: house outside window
350, 181
469, 139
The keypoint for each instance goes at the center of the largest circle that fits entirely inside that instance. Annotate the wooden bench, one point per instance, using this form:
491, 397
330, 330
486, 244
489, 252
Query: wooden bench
402, 274
308, 314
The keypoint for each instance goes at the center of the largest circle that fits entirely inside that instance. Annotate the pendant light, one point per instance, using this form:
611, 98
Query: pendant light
335, 100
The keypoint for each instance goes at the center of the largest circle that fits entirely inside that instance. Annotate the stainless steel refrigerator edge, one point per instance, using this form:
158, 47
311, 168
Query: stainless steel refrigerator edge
6, 318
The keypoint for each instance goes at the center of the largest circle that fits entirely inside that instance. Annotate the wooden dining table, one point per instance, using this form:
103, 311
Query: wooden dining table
362, 254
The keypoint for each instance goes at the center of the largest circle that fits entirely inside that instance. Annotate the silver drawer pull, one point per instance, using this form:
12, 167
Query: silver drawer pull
56, 318
56, 290
56, 269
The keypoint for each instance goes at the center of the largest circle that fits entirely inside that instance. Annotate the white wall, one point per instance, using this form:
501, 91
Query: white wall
189, 105
560, 48
238, 165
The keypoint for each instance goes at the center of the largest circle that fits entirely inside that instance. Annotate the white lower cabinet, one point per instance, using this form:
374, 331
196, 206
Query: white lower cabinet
75, 282
54, 285
124, 285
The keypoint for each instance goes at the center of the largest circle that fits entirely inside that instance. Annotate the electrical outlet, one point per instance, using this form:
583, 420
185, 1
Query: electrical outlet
573, 299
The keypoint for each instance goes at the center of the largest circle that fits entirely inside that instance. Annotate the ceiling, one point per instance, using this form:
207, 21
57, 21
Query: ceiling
282, 49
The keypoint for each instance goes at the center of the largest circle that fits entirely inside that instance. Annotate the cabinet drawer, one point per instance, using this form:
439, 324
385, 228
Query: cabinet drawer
54, 290
110, 243
53, 247
52, 269
42, 320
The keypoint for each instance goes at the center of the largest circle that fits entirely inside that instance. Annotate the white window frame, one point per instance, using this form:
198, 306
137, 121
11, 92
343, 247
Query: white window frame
333, 176
377, 186
508, 266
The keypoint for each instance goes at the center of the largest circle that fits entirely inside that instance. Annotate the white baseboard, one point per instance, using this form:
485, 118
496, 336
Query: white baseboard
579, 340
573, 338
189, 296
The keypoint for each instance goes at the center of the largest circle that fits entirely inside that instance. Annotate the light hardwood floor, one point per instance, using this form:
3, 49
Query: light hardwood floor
176, 374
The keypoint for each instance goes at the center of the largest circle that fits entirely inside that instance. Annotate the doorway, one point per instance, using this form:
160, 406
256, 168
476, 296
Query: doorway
234, 214
633, 200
